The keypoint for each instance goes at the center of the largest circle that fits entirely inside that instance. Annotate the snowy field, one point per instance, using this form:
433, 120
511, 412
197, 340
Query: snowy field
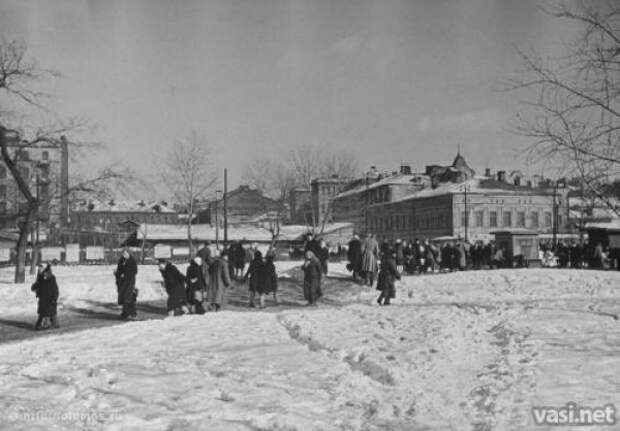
461, 351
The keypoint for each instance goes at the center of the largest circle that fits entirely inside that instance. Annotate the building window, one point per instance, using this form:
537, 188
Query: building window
521, 219
493, 218
410, 222
45, 155
534, 216
548, 218
507, 219
2, 172
479, 218
397, 222
3, 191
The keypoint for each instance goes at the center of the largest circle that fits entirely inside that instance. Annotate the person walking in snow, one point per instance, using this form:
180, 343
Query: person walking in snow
354, 254
370, 253
323, 255
219, 275
312, 278
125, 273
255, 275
238, 254
270, 278
196, 285
174, 282
388, 274
46, 290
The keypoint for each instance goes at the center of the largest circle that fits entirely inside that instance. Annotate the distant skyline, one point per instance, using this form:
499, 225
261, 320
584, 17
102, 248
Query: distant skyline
391, 81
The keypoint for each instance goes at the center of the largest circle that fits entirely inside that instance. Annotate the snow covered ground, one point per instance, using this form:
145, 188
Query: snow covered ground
461, 351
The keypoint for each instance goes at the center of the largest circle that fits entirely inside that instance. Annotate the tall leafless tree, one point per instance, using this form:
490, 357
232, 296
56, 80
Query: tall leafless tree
19, 78
188, 171
573, 116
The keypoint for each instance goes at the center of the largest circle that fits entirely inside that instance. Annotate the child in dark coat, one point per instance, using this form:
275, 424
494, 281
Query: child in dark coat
174, 282
46, 289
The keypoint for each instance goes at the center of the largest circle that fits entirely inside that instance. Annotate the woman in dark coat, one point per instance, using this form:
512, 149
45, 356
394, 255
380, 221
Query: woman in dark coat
174, 282
46, 289
270, 278
125, 273
354, 254
388, 274
239, 259
196, 285
255, 274
312, 278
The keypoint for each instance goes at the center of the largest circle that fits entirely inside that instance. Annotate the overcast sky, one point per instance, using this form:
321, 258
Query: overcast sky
388, 80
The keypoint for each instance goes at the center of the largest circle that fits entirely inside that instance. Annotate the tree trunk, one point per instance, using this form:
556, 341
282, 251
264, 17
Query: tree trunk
22, 243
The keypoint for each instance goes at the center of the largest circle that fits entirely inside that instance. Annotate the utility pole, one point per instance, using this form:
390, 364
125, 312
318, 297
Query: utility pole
366, 209
555, 215
225, 206
217, 223
466, 210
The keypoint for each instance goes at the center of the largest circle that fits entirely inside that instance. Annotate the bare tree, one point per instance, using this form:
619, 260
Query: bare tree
187, 170
18, 79
574, 118
274, 179
309, 162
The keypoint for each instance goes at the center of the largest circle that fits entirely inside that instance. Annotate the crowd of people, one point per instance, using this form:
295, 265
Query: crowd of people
576, 254
202, 288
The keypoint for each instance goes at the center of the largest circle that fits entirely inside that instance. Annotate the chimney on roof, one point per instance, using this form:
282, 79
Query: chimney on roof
501, 176
487, 172
405, 169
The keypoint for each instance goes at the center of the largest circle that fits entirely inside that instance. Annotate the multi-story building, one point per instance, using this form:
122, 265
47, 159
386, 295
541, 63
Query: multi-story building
352, 204
470, 209
299, 205
45, 168
323, 191
243, 206
452, 201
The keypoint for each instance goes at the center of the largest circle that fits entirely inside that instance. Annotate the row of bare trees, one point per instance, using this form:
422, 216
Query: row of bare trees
298, 168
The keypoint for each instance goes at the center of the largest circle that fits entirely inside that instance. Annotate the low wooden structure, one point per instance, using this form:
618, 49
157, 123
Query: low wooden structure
520, 245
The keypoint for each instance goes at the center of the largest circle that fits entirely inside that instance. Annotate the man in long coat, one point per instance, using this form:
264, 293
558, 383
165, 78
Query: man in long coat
219, 274
370, 254
125, 273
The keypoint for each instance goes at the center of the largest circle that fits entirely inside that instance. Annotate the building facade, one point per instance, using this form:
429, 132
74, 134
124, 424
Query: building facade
243, 206
299, 206
472, 209
45, 169
323, 191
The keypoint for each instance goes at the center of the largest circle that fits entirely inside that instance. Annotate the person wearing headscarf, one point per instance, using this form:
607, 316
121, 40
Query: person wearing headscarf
387, 278
46, 290
196, 285
174, 283
125, 273
312, 278
255, 275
